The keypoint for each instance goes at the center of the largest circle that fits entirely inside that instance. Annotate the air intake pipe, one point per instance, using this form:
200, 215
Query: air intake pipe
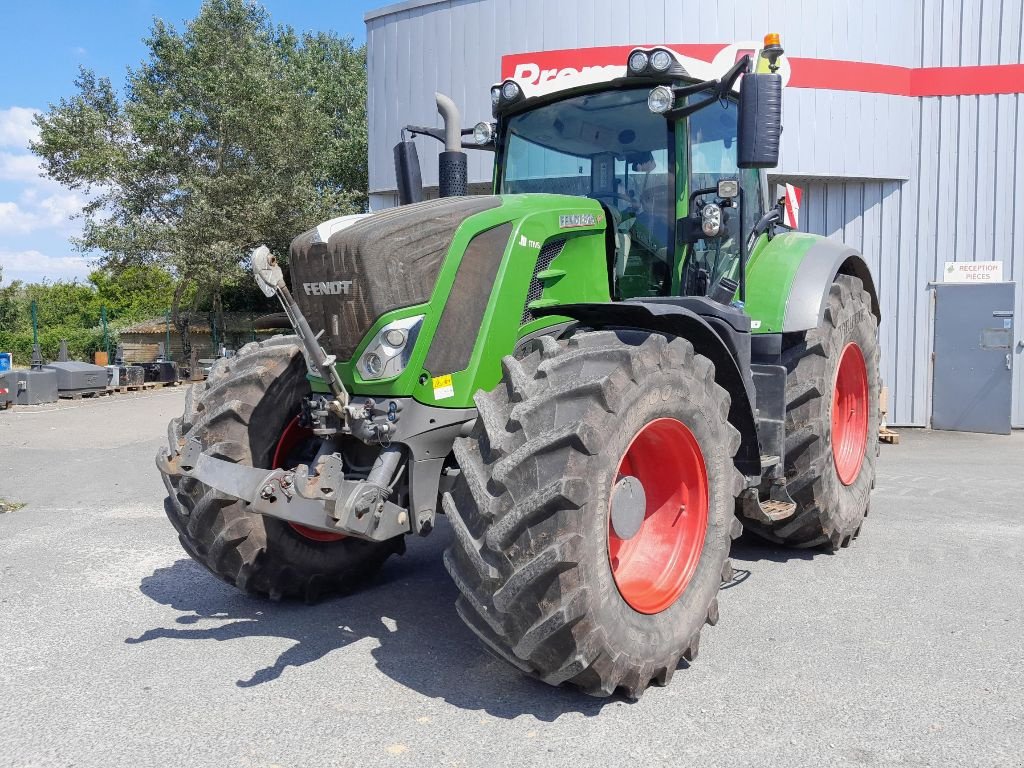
452, 172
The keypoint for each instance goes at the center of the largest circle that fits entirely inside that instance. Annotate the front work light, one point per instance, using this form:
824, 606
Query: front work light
661, 61
483, 133
495, 95
637, 62
510, 90
660, 99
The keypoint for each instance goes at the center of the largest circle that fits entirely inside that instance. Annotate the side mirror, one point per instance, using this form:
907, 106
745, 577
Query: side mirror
407, 173
760, 121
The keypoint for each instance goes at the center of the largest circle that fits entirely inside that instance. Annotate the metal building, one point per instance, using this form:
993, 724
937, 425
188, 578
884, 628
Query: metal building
903, 122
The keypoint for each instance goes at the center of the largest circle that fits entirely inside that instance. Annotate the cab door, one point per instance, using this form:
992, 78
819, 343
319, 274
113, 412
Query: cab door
709, 151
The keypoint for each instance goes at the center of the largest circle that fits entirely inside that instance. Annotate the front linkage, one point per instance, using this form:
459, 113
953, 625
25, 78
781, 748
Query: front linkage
320, 496
323, 500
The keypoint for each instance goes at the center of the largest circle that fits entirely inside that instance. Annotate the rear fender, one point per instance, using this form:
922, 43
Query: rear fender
674, 320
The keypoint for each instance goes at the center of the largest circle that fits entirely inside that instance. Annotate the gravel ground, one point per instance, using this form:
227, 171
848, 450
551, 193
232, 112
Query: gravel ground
115, 649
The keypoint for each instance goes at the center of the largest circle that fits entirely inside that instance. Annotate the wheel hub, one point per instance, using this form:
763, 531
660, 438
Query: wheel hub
850, 405
653, 565
629, 503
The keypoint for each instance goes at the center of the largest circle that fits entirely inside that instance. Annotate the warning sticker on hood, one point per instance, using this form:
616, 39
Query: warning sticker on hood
443, 387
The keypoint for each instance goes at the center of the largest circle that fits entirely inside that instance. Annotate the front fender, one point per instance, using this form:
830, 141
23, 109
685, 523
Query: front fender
789, 277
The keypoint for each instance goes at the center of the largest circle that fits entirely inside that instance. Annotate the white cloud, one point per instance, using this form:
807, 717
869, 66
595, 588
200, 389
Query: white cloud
33, 266
16, 128
13, 218
50, 212
58, 208
23, 167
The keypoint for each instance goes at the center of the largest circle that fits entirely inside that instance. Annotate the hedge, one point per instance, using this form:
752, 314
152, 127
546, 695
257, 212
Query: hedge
82, 343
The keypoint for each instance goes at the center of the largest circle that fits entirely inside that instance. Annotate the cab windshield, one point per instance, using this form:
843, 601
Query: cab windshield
608, 146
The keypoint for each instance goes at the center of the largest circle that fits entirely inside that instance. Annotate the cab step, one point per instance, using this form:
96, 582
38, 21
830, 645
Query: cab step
778, 510
767, 511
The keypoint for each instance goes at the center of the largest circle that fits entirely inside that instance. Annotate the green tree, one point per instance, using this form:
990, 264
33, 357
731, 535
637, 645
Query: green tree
232, 134
135, 292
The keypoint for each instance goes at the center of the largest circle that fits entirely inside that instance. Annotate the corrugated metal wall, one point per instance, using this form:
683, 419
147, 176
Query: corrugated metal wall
963, 200
912, 182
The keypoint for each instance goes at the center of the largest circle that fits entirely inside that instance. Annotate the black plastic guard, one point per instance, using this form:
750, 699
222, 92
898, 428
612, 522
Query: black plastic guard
674, 320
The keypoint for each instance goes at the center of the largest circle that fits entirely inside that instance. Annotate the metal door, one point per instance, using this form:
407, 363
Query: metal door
972, 379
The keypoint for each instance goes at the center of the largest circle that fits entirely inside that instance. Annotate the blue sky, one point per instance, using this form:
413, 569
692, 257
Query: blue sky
42, 44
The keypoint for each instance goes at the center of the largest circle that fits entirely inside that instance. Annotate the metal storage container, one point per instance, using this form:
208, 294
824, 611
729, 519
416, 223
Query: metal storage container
34, 386
161, 371
125, 375
75, 378
8, 389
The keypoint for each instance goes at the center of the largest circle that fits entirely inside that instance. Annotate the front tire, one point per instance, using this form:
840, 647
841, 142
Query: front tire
545, 581
240, 414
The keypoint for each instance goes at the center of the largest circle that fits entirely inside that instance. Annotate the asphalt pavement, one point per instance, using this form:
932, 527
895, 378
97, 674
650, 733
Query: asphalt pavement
117, 650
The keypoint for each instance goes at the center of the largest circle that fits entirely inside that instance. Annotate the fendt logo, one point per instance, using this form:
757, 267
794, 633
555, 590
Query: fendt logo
333, 288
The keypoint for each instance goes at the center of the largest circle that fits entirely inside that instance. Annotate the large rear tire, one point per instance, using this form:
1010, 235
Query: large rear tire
240, 414
832, 423
545, 580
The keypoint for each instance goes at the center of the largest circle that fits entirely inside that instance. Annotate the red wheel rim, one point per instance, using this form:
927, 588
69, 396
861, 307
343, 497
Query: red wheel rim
850, 414
293, 436
654, 567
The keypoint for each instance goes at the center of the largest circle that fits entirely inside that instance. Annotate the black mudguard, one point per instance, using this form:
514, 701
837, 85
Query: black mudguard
668, 317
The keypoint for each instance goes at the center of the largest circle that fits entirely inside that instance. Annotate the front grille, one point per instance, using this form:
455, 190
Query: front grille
547, 255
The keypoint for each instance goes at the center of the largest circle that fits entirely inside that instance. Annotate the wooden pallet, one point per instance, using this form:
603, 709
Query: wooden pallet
117, 390
80, 395
886, 435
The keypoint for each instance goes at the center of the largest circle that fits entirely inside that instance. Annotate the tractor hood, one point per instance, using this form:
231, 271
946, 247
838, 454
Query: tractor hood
376, 264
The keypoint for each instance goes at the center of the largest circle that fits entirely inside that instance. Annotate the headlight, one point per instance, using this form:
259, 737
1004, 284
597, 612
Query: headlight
389, 351
374, 365
510, 90
483, 133
660, 99
711, 220
637, 61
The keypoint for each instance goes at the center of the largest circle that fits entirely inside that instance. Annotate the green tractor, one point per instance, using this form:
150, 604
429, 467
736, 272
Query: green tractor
600, 374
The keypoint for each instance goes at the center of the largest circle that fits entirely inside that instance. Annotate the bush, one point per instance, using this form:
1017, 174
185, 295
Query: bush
83, 343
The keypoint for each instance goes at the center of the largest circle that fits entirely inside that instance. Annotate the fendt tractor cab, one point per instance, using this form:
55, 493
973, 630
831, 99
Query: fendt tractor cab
600, 374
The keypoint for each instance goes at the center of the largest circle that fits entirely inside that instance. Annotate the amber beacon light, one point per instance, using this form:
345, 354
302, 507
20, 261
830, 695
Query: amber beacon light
772, 50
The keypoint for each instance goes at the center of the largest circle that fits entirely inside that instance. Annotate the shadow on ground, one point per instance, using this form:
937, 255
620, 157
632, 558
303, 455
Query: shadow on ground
749, 548
409, 610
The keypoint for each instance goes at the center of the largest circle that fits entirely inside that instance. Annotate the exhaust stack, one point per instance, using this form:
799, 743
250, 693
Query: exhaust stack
452, 171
